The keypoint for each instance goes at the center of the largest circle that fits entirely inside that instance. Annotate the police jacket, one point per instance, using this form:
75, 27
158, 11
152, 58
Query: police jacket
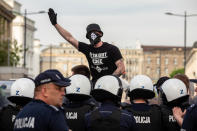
190, 119
109, 117
148, 117
169, 122
75, 114
7, 117
39, 116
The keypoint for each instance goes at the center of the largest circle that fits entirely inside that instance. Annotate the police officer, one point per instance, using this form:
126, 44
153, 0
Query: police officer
158, 85
148, 117
109, 117
174, 94
190, 118
22, 91
78, 94
44, 112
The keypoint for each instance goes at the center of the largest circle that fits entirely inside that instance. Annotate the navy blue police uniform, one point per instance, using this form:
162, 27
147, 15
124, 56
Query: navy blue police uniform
123, 120
189, 122
75, 112
169, 122
7, 117
148, 117
39, 116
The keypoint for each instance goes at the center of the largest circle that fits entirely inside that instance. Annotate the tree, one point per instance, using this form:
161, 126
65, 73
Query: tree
177, 71
8, 48
14, 51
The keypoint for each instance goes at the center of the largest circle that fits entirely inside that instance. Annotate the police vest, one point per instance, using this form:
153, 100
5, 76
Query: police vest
169, 122
7, 117
107, 123
148, 120
75, 117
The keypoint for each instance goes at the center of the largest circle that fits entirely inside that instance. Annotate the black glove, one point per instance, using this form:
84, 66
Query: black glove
52, 16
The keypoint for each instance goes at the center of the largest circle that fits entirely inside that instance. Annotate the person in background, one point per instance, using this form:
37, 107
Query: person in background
81, 69
193, 85
21, 92
158, 85
187, 120
184, 79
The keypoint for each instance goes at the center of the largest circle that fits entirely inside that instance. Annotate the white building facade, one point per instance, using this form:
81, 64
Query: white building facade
18, 31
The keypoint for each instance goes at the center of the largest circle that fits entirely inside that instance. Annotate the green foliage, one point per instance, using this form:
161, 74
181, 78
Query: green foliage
177, 71
14, 53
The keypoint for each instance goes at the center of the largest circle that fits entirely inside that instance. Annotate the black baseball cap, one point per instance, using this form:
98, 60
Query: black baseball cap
53, 76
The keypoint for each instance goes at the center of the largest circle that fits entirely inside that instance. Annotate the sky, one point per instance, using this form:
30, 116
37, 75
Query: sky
124, 22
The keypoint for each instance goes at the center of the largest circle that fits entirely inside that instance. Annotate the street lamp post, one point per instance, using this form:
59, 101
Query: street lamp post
185, 15
25, 31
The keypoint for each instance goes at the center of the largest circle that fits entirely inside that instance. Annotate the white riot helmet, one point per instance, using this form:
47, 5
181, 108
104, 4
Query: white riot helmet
108, 87
79, 89
174, 90
141, 86
22, 91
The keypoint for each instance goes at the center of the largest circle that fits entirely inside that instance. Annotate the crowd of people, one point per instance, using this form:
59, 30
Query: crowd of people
53, 102
90, 99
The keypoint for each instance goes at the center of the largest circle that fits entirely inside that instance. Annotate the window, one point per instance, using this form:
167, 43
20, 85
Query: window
183, 62
148, 60
166, 71
158, 60
166, 61
175, 61
158, 70
148, 70
65, 67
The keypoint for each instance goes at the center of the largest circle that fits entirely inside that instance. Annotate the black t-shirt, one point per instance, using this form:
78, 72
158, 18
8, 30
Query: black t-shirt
101, 60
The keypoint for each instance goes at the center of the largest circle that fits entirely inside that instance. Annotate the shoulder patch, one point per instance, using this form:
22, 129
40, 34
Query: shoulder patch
191, 107
126, 114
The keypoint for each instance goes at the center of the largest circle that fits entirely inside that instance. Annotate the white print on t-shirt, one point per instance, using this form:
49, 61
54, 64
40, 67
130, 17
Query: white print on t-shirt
97, 58
99, 69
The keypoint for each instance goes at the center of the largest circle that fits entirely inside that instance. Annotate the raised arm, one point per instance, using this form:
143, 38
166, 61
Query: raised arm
67, 36
63, 32
120, 68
